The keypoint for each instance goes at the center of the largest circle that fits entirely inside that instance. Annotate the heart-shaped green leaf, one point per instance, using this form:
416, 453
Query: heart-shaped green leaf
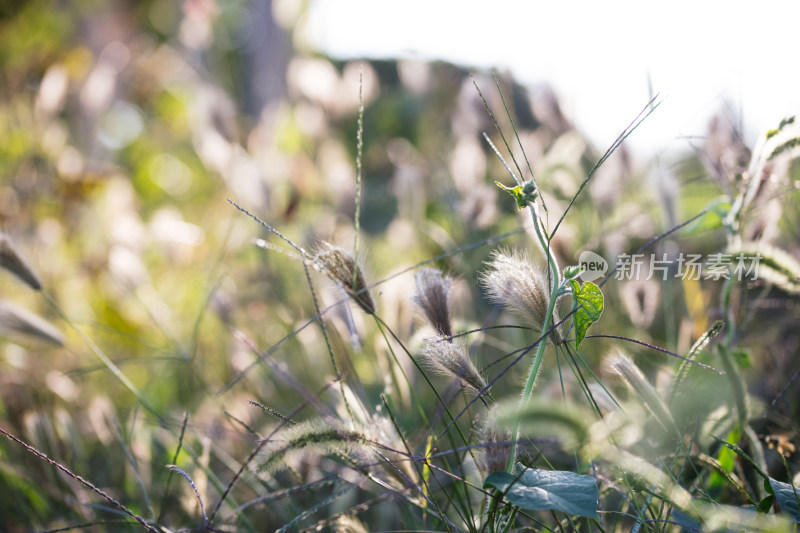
788, 498
546, 490
590, 297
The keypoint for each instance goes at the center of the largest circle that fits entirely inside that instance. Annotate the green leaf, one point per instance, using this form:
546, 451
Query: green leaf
766, 504
591, 298
685, 520
717, 210
742, 358
545, 490
788, 498
572, 271
726, 458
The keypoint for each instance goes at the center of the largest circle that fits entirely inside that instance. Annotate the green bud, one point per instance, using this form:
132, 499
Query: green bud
572, 271
523, 194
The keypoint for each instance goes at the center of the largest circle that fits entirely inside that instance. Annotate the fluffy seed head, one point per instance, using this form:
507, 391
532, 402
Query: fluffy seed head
452, 360
14, 263
311, 436
433, 297
342, 268
367, 443
514, 282
492, 457
348, 524
15, 320
622, 365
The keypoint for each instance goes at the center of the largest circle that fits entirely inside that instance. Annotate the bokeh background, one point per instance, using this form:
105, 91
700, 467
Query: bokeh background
126, 126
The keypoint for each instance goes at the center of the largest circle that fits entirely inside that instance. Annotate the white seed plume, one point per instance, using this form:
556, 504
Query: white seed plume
343, 269
452, 360
433, 297
514, 282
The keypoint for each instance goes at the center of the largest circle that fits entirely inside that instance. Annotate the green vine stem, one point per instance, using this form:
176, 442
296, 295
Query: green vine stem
555, 287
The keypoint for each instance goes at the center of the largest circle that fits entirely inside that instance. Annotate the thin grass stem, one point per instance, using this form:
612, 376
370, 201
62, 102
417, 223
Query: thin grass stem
81, 480
359, 159
640, 118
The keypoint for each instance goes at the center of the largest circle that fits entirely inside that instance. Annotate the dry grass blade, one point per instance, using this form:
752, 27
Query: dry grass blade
16, 320
16, 264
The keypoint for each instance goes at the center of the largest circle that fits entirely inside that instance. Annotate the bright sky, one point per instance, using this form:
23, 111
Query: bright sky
700, 55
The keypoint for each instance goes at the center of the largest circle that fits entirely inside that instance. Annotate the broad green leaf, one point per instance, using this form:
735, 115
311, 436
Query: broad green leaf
788, 498
545, 490
590, 297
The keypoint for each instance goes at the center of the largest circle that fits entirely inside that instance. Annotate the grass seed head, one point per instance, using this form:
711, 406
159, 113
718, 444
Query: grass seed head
342, 268
14, 263
492, 457
310, 437
452, 360
348, 524
622, 365
16, 320
514, 282
433, 297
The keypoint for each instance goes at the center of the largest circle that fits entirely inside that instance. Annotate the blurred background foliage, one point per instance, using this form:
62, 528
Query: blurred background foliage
125, 126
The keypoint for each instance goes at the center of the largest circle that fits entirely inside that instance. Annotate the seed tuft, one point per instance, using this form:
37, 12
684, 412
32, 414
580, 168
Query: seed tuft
514, 282
451, 359
433, 297
14, 263
343, 269
15, 320
495, 449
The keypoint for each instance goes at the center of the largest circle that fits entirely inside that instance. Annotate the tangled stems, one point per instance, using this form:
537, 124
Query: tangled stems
555, 287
